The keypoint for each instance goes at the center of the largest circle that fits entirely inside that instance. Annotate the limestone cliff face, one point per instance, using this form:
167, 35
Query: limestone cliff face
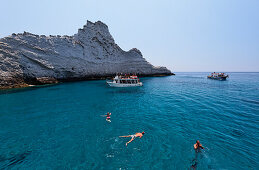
91, 53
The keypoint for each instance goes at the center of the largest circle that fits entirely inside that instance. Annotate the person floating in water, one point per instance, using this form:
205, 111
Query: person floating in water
133, 136
197, 146
108, 117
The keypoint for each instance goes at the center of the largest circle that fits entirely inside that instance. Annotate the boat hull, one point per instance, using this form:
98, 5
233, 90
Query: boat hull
218, 78
112, 84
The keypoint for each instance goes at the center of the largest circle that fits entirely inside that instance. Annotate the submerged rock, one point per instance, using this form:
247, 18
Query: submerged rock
90, 54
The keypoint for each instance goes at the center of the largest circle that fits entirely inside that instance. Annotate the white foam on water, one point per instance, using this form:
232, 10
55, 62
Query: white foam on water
109, 155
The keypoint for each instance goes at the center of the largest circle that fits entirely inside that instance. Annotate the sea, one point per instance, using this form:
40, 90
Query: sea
63, 126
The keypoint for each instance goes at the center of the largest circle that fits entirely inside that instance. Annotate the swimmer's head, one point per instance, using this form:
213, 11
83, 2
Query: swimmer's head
143, 133
197, 141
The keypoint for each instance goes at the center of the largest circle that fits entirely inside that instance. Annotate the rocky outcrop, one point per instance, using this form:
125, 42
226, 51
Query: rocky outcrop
90, 54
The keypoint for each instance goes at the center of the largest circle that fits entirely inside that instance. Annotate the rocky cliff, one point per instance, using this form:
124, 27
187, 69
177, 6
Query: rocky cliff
90, 54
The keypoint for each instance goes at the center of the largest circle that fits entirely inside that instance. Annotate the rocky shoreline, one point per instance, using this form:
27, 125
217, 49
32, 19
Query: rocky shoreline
91, 54
50, 80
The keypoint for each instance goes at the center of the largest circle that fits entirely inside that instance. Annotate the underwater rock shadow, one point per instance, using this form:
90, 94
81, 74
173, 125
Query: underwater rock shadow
19, 90
14, 160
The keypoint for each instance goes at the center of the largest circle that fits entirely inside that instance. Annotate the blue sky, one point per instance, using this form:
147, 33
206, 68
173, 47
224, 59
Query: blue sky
183, 35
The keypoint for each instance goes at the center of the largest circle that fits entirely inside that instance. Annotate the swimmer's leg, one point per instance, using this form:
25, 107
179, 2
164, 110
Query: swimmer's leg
195, 160
130, 141
194, 166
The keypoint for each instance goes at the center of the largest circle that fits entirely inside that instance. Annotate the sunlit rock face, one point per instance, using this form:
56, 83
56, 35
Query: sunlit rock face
91, 53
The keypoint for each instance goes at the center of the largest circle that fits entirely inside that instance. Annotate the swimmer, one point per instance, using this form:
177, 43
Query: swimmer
197, 146
133, 136
108, 117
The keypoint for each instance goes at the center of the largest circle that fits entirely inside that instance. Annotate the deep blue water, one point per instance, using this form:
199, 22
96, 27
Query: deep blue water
60, 127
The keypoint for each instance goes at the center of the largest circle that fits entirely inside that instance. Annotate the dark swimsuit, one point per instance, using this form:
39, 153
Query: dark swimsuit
198, 149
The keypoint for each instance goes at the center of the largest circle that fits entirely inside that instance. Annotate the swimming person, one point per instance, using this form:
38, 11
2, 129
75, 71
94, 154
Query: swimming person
108, 117
197, 146
133, 136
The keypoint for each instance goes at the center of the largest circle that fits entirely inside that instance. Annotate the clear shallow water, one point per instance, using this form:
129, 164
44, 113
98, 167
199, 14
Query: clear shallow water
60, 127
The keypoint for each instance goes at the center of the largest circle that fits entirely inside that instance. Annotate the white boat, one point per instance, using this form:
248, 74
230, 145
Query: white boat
218, 76
125, 81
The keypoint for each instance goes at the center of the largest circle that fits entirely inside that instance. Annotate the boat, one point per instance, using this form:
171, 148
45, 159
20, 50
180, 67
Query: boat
218, 76
124, 81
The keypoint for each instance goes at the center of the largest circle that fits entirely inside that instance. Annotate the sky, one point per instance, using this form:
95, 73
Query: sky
183, 35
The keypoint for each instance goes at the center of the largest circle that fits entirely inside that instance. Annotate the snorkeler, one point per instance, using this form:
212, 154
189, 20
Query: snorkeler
197, 146
133, 136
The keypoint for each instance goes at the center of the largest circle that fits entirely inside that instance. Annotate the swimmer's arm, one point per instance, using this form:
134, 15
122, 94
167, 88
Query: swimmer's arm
125, 136
195, 146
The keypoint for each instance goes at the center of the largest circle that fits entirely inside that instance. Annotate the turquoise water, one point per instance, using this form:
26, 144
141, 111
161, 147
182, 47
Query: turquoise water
60, 127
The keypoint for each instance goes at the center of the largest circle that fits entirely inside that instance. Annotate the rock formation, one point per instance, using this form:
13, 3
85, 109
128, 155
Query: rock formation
90, 54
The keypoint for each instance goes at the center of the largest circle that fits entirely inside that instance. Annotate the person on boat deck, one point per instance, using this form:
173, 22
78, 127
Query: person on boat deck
133, 136
197, 146
108, 116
